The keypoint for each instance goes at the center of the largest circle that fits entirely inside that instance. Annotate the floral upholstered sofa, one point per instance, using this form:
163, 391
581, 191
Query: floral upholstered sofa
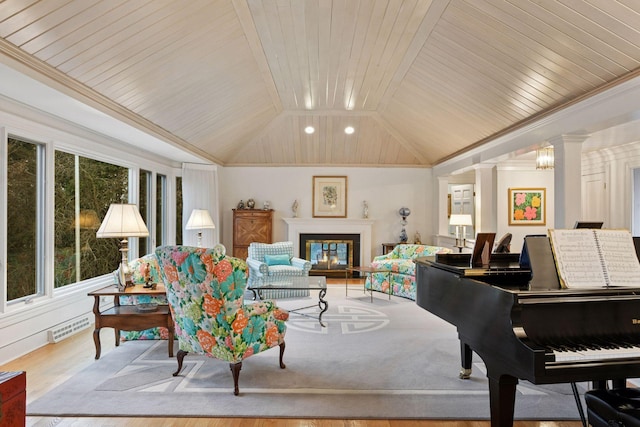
143, 269
402, 276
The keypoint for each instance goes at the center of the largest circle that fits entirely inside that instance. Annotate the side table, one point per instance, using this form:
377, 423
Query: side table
128, 317
366, 271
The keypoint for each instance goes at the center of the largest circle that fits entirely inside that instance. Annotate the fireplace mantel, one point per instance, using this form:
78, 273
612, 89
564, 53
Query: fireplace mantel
296, 226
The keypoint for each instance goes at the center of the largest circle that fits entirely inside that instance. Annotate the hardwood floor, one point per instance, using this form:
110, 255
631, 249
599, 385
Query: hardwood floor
55, 363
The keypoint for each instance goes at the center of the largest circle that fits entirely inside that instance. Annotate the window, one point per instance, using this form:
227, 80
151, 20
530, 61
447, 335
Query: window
84, 189
178, 210
161, 192
25, 173
145, 212
78, 197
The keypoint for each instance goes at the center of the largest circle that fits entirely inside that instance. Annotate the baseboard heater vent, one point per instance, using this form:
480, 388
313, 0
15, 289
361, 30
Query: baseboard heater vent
69, 328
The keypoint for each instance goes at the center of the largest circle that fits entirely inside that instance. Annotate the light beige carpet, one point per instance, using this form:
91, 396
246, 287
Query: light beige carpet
386, 359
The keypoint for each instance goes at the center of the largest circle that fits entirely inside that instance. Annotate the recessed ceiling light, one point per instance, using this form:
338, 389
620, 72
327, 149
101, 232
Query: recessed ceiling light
309, 130
349, 130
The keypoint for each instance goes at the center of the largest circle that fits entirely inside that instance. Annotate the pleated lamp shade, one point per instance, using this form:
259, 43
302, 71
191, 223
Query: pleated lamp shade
199, 219
122, 220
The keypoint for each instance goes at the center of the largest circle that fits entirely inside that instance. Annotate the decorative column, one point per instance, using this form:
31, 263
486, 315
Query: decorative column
486, 216
442, 205
567, 174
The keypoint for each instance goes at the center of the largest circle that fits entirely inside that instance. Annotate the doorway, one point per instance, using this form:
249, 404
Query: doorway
462, 202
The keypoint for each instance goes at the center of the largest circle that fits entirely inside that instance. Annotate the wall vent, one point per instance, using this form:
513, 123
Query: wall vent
67, 329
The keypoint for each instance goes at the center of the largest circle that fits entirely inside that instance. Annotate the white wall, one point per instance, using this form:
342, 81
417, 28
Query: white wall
385, 189
616, 165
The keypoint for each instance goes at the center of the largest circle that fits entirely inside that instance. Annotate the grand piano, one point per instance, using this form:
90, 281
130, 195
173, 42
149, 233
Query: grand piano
514, 315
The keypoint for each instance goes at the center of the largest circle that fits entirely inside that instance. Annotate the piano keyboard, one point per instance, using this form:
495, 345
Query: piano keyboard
606, 352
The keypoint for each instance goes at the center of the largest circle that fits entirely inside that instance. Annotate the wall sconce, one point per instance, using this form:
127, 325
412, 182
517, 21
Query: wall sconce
544, 158
123, 221
199, 220
460, 221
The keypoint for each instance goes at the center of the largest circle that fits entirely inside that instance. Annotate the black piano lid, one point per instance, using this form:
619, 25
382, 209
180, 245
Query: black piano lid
461, 263
503, 270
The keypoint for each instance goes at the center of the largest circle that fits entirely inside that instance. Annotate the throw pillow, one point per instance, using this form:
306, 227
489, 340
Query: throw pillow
277, 259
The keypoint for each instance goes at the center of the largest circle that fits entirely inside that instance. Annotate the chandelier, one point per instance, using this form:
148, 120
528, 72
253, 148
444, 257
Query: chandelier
544, 158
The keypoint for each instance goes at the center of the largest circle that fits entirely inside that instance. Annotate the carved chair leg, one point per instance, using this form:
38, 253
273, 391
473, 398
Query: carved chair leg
282, 365
235, 370
181, 354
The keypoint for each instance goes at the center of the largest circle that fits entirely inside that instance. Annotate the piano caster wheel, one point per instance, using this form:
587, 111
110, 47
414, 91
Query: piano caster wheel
465, 374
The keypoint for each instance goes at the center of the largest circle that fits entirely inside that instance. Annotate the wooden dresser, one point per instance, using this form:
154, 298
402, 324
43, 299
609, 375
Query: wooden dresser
251, 225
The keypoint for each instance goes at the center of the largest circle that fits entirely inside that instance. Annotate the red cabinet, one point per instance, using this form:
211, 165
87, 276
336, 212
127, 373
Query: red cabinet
13, 398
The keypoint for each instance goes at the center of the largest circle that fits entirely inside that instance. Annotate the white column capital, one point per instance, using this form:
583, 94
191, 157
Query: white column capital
567, 138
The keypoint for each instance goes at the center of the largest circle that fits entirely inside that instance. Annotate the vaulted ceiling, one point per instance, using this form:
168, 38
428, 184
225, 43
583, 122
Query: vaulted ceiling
237, 81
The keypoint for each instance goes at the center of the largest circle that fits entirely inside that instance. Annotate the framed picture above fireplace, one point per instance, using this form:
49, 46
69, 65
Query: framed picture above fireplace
330, 196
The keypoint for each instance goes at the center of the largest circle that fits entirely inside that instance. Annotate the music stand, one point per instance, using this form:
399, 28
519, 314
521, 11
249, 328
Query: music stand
588, 224
502, 247
482, 249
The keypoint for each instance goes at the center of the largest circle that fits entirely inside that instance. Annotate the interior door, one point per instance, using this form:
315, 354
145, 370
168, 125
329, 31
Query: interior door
594, 199
462, 202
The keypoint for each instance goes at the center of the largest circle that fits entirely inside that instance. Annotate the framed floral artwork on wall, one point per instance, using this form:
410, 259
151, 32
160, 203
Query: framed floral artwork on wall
330, 196
527, 206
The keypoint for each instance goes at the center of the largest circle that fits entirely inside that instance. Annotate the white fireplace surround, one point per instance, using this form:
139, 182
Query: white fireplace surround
297, 226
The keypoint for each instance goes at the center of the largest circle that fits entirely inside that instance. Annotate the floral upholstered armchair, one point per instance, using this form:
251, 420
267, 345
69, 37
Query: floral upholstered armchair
270, 263
205, 290
402, 270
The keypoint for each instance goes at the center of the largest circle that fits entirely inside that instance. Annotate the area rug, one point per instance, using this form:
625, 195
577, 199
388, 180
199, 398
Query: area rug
383, 359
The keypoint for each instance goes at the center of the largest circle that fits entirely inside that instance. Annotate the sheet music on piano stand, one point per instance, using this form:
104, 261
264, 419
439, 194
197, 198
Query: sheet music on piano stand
593, 258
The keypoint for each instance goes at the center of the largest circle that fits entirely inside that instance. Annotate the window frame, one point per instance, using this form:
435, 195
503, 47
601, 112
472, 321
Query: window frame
43, 169
161, 212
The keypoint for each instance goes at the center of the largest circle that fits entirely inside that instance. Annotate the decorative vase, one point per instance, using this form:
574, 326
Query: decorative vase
404, 213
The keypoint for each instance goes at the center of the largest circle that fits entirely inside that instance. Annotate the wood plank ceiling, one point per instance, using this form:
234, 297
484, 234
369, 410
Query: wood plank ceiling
239, 80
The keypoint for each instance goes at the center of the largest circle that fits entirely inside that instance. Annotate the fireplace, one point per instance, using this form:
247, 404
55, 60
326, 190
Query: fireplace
330, 254
333, 226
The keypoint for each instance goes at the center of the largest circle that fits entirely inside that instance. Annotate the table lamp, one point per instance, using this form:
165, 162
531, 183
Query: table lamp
123, 221
199, 220
460, 221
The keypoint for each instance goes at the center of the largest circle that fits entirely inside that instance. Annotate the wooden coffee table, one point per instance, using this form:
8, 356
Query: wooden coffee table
366, 271
130, 317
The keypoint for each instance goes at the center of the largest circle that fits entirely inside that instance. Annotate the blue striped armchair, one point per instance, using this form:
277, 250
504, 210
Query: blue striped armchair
273, 263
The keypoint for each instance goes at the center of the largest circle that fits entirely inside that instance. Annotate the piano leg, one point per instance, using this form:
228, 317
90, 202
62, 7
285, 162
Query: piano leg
502, 399
466, 356
619, 383
604, 384
599, 384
